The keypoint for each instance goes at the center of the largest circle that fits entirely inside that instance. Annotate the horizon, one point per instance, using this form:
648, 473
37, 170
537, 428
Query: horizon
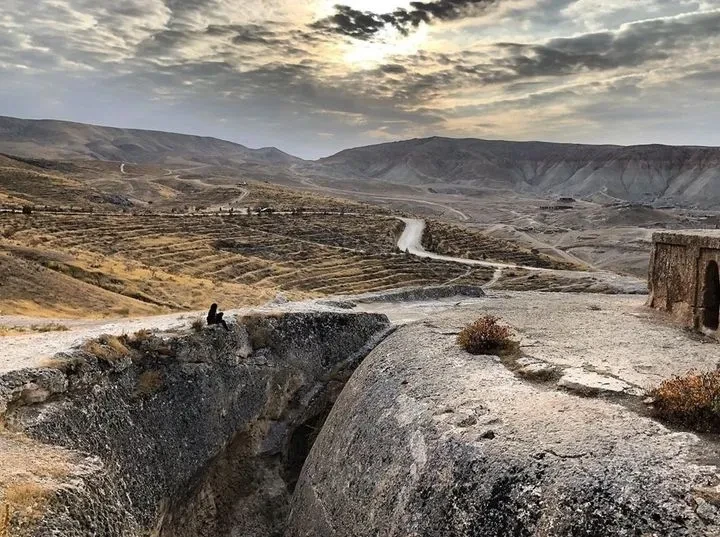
315, 78
429, 137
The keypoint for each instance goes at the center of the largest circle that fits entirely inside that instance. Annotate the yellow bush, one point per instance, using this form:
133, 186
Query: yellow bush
692, 400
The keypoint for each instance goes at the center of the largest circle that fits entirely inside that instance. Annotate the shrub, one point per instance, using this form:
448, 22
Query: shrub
50, 327
140, 336
107, 348
692, 401
486, 336
198, 324
150, 382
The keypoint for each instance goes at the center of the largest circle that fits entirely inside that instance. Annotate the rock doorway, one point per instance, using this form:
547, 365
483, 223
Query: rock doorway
711, 297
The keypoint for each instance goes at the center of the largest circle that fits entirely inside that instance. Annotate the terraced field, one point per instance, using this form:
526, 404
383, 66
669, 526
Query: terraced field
185, 262
447, 239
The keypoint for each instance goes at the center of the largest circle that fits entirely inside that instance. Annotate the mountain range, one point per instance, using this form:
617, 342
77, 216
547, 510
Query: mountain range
658, 174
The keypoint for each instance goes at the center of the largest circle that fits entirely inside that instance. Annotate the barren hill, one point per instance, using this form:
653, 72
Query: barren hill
652, 173
52, 139
675, 175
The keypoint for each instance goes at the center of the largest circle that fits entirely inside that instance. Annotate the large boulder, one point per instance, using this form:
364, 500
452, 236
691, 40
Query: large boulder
427, 440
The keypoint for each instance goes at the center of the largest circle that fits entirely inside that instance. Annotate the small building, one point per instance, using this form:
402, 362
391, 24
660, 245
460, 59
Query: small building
684, 277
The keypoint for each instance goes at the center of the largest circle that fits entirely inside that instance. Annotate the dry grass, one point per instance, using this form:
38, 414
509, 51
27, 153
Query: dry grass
198, 324
486, 336
108, 348
457, 241
29, 473
20, 330
63, 364
150, 382
12, 330
151, 264
692, 401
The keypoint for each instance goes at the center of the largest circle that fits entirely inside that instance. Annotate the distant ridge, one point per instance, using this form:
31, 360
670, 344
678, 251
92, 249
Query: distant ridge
688, 175
652, 174
62, 140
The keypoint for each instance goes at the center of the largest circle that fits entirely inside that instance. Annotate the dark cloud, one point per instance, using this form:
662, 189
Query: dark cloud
366, 25
631, 47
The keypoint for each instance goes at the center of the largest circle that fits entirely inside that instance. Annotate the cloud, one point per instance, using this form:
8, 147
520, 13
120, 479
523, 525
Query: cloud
275, 72
365, 25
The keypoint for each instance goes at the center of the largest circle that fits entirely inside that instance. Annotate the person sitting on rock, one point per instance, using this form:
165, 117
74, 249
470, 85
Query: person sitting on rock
216, 317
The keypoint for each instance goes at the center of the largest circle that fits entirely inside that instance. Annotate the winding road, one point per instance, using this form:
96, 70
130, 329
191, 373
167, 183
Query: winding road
411, 241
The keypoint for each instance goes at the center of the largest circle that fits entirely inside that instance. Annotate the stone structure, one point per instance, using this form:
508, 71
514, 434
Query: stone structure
684, 277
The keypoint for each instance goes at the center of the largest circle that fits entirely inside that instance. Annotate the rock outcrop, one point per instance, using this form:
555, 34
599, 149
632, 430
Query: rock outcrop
427, 440
192, 434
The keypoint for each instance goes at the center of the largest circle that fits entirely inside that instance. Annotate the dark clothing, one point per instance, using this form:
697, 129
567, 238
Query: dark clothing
215, 317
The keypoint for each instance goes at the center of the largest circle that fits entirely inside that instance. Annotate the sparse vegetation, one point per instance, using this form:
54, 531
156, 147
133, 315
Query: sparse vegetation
141, 336
20, 330
460, 242
198, 324
108, 348
144, 265
692, 401
150, 382
486, 336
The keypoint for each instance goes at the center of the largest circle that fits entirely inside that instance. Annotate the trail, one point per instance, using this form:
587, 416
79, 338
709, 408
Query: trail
496, 278
231, 203
457, 212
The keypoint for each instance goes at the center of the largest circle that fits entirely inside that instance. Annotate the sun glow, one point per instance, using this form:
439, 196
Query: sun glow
387, 45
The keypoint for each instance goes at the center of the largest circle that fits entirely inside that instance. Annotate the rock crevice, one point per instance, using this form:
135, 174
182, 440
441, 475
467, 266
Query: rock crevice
193, 434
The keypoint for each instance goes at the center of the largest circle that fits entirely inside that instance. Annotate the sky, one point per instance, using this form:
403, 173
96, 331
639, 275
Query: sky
314, 77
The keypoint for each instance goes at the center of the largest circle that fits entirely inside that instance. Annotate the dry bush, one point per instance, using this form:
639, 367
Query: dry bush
65, 364
692, 401
11, 330
486, 336
198, 324
24, 499
141, 335
150, 382
50, 327
107, 348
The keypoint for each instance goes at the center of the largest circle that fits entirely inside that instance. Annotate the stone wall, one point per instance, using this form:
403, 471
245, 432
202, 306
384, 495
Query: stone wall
677, 273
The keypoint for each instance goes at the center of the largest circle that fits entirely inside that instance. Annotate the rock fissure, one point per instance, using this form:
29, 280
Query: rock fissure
188, 435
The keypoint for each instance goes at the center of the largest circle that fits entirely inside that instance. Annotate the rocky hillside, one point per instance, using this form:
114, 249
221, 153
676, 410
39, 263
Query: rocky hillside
64, 140
652, 173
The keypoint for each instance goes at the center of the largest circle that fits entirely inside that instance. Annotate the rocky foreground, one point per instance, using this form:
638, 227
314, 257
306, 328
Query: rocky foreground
259, 432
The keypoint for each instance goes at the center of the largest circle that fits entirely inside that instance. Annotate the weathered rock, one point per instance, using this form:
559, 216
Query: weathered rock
589, 383
431, 292
191, 439
427, 440
30, 386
